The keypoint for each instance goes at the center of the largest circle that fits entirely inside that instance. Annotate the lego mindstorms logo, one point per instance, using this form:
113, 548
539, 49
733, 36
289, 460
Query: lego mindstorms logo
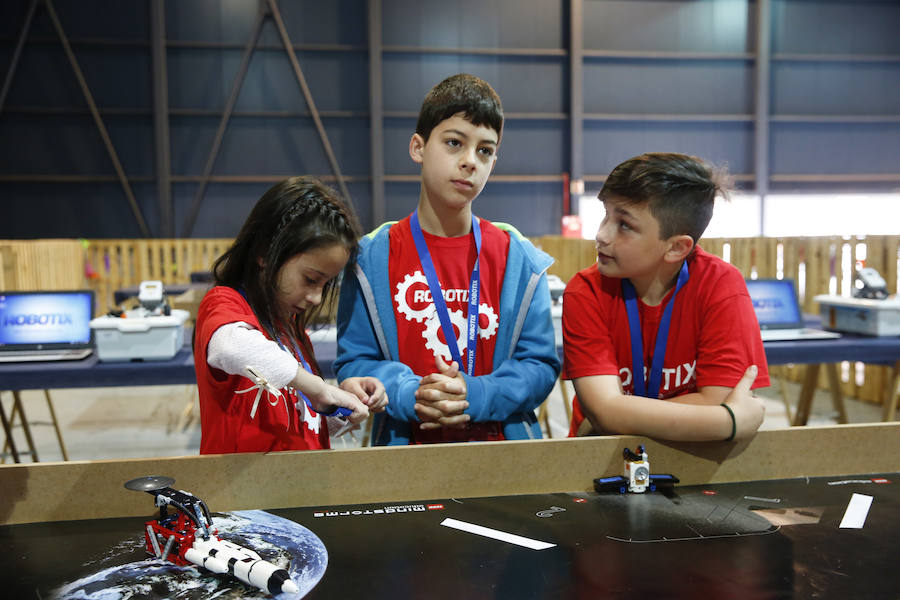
25, 320
387, 510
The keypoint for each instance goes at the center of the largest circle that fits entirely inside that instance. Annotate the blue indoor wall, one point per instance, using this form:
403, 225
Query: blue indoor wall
658, 75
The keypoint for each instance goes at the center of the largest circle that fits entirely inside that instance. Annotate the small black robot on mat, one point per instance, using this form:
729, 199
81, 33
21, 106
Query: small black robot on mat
637, 476
184, 537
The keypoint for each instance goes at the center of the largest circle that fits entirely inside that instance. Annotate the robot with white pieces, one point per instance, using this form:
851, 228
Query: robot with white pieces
184, 537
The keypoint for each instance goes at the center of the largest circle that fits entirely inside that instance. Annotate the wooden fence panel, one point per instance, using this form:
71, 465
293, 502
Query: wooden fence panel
570, 254
8, 279
742, 255
714, 246
767, 257
46, 264
815, 263
125, 263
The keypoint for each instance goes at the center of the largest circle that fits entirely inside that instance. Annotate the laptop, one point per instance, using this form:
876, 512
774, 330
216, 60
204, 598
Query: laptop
47, 325
778, 312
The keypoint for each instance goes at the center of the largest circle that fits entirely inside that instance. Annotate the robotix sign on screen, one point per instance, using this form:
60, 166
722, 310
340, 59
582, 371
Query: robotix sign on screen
45, 318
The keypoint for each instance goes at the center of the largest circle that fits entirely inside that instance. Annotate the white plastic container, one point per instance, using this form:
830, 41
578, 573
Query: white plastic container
860, 315
139, 336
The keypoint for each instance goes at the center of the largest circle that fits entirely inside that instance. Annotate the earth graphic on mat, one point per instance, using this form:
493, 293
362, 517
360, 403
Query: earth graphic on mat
282, 542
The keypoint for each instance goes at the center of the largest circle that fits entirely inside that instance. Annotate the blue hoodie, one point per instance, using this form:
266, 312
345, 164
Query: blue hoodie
526, 364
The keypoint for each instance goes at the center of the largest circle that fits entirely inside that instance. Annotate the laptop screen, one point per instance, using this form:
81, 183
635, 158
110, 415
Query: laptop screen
51, 319
775, 303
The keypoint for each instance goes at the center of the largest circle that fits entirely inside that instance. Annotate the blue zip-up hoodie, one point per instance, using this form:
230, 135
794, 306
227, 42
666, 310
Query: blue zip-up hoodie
526, 364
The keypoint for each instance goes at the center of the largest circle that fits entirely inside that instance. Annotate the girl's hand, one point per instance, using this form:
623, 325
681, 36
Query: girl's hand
325, 398
369, 390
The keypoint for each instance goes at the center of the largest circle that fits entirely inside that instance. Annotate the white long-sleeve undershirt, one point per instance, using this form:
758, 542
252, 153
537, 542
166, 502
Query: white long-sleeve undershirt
234, 346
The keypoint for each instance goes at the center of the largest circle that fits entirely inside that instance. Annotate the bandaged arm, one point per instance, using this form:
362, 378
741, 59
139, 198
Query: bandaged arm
234, 346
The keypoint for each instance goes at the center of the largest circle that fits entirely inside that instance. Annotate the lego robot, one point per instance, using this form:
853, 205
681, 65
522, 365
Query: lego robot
637, 478
184, 537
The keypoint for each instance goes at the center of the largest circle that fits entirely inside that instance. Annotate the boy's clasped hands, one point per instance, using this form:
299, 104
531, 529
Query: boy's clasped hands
441, 398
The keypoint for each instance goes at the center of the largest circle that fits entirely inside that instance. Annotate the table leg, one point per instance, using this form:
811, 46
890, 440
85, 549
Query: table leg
891, 395
567, 402
187, 416
810, 381
837, 394
7, 428
26, 428
59, 437
367, 434
779, 372
544, 417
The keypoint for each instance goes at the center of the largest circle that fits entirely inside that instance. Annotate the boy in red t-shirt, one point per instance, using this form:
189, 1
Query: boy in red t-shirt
450, 311
659, 337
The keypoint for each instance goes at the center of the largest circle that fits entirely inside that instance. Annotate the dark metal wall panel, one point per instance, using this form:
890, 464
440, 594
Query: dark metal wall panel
12, 15
639, 86
210, 20
70, 145
45, 79
67, 210
106, 19
202, 79
401, 199
361, 192
268, 146
224, 209
534, 208
669, 25
533, 147
675, 75
474, 23
606, 144
226, 205
397, 133
331, 22
339, 81
836, 26
525, 84
836, 88
309, 21
835, 148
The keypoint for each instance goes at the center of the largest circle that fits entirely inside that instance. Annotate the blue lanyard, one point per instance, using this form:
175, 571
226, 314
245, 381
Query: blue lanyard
637, 340
440, 305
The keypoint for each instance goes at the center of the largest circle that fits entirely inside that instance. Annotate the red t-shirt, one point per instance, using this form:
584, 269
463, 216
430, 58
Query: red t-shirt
225, 422
713, 335
419, 333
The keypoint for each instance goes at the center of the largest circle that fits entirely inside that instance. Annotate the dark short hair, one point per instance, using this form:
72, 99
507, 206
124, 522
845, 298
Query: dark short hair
294, 216
461, 93
680, 190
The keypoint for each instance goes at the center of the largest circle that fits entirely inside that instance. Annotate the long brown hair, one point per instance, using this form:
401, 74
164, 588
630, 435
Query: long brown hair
294, 216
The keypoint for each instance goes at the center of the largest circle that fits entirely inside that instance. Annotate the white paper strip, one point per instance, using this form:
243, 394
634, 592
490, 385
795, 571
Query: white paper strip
496, 534
857, 510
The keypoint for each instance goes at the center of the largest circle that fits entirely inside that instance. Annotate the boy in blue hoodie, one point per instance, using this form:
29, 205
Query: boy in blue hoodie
451, 312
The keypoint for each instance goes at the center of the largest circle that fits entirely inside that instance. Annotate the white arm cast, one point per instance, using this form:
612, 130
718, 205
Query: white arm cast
234, 346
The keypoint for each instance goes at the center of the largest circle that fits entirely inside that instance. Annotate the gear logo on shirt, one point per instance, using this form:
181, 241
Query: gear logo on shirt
414, 302
403, 289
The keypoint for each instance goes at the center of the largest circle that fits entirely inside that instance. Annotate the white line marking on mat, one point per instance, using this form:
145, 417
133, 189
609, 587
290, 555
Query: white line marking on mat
497, 534
857, 510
